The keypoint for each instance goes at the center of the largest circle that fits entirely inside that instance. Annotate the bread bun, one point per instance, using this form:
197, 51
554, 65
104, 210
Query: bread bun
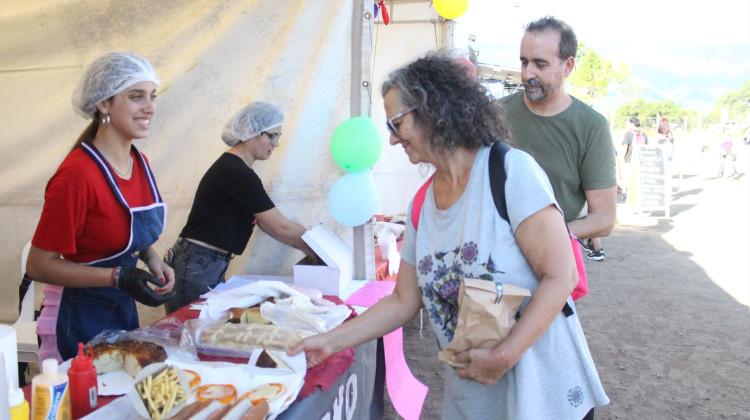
198, 410
265, 392
223, 393
128, 355
257, 412
218, 415
194, 379
247, 316
248, 337
237, 410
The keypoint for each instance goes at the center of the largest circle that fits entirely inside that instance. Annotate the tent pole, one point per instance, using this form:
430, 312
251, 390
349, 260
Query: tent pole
363, 241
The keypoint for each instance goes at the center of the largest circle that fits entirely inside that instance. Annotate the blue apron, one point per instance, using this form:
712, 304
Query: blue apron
85, 312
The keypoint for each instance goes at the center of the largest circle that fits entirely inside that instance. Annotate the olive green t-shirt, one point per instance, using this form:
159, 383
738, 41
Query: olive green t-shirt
574, 148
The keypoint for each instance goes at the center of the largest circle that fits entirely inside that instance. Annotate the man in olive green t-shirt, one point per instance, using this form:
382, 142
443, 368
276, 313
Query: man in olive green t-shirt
569, 140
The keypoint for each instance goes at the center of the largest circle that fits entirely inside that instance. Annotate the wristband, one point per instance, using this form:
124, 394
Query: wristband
115, 275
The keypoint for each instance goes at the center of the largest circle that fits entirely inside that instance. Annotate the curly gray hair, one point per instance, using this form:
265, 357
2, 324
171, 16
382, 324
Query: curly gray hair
452, 108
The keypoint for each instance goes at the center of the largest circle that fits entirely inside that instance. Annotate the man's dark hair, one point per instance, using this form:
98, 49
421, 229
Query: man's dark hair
636, 122
568, 46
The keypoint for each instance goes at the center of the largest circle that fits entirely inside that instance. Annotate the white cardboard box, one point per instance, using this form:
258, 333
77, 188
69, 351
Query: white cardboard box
335, 275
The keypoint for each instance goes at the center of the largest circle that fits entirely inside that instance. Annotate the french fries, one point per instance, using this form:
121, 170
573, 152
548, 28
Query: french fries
161, 392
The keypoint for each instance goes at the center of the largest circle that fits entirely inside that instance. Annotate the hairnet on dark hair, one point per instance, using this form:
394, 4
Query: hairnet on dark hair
107, 76
250, 121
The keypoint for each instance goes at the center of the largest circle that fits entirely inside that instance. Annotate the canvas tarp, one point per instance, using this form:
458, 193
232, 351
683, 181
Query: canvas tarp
308, 58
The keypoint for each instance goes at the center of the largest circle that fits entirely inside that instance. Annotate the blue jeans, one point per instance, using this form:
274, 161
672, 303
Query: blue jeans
196, 269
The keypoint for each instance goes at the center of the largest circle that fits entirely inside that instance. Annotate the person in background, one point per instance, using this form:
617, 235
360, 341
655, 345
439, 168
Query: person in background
228, 203
664, 133
102, 211
726, 155
665, 138
444, 117
568, 138
629, 141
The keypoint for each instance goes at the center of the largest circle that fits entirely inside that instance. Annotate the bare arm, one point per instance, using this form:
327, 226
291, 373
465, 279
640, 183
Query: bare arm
385, 316
49, 267
544, 242
277, 226
602, 214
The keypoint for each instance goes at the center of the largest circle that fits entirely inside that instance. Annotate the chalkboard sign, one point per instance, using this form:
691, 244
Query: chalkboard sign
653, 178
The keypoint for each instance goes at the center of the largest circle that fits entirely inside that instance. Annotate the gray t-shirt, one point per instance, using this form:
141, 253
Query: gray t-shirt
556, 378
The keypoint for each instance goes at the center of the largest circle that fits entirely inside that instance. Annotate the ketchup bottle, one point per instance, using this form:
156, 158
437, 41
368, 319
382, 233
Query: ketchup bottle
82, 383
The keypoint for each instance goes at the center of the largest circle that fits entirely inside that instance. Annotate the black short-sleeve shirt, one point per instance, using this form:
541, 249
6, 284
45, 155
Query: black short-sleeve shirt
228, 197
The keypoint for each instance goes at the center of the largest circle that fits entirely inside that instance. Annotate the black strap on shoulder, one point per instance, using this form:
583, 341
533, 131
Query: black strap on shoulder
22, 289
497, 186
497, 177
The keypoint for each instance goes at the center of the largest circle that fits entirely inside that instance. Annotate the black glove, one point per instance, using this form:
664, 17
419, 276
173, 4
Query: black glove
135, 281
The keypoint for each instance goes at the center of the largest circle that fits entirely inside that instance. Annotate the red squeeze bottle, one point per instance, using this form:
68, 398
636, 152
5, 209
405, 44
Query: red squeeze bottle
82, 383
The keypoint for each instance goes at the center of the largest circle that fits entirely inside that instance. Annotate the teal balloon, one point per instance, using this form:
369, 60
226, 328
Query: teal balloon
353, 199
356, 144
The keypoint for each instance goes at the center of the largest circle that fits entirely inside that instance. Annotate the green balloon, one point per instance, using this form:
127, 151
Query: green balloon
356, 144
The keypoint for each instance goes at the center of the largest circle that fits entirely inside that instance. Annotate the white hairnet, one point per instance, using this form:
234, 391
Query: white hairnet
107, 76
250, 121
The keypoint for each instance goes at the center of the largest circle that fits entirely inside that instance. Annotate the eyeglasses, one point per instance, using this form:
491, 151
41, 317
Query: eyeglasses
389, 121
274, 137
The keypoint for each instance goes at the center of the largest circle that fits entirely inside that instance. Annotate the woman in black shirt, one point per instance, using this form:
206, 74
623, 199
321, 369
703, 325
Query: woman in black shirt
230, 200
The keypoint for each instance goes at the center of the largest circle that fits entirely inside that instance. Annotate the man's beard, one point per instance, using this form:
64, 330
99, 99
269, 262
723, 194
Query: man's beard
535, 95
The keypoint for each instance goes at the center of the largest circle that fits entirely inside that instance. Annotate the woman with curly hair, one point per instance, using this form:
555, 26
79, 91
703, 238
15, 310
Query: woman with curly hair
543, 369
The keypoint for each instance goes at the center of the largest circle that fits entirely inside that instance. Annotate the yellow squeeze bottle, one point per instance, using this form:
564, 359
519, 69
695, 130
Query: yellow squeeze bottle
50, 398
19, 407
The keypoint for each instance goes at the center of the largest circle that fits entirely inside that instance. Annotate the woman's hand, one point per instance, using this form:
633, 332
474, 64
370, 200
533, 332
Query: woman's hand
317, 349
486, 366
161, 270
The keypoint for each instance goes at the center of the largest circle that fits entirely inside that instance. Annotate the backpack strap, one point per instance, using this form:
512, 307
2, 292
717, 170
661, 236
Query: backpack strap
22, 289
416, 205
498, 176
497, 186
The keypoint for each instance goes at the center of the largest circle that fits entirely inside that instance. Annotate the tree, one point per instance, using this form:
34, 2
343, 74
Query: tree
623, 83
592, 76
647, 112
737, 101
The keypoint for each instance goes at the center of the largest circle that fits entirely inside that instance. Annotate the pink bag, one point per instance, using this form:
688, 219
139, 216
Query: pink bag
582, 288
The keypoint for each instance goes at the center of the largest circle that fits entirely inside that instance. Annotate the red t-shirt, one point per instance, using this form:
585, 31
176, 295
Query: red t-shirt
81, 218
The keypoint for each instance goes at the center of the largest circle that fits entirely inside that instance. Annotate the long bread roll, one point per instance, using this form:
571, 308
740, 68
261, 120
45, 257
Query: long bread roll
257, 412
248, 337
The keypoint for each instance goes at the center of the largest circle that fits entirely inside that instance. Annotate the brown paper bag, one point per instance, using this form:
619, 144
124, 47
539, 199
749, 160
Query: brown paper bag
485, 317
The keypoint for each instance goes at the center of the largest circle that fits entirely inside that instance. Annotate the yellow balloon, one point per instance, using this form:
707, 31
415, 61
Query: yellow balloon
450, 9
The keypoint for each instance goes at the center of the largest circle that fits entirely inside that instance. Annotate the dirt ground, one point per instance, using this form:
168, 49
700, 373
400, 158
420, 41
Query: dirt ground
666, 317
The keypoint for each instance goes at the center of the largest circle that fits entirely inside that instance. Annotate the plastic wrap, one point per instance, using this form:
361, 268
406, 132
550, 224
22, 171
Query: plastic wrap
171, 334
299, 312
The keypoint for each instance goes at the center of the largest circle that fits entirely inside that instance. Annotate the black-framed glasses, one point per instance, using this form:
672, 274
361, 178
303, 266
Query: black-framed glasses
389, 121
274, 137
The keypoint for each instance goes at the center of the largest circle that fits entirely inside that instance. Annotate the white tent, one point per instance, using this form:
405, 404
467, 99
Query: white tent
320, 61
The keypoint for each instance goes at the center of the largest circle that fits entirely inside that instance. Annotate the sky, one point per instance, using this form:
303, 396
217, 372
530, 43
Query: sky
711, 39
637, 30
